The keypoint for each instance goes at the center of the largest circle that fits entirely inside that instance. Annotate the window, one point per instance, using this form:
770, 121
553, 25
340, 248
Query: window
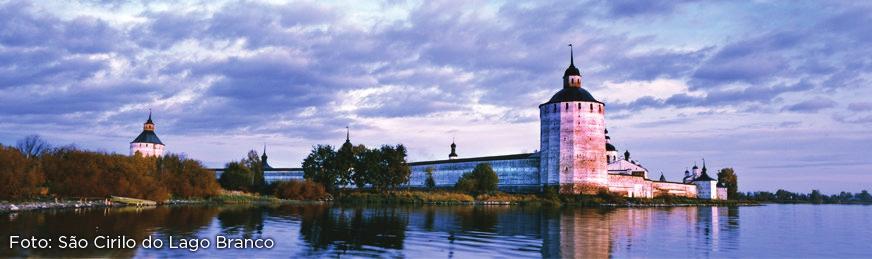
591, 107
567, 106
579, 106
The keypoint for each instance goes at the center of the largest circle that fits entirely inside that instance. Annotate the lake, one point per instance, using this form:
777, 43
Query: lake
458, 231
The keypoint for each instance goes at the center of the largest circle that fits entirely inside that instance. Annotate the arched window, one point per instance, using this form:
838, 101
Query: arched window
567, 106
591, 107
579, 106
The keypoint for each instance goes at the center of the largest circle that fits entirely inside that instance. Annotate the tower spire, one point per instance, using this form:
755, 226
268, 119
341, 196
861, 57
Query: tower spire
347, 134
571, 56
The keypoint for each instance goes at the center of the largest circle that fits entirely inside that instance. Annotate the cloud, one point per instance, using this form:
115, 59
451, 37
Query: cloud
860, 106
810, 106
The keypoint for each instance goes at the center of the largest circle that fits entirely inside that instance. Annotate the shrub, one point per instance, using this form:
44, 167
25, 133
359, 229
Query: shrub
236, 177
300, 190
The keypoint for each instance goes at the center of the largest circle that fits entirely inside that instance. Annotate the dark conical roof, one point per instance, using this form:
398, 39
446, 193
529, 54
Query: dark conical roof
147, 136
704, 177
572, 94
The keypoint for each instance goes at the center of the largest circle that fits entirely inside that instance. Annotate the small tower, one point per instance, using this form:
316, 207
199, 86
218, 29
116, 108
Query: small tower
453, 154
147, 143
695, 171
662, 177
627, 155
611, 151
706, 187
263, 158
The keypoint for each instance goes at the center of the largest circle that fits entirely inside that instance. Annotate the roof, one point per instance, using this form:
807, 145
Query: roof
704, 177
610, 147
147, 136
572, 94
571, 71
477, 159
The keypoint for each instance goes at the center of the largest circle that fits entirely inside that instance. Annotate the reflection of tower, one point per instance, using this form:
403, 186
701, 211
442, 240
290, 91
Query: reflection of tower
572, 137
577, 233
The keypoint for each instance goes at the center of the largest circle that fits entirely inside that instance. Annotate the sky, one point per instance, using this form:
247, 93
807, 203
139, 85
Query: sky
778, 90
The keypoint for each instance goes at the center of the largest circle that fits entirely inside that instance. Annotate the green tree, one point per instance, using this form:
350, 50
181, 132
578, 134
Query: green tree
486, 177
430, 183
728, 177
363, 160
320, 167
482, 179
253, 162
236, 176
397, 170
816, 197
345, 162
864, 196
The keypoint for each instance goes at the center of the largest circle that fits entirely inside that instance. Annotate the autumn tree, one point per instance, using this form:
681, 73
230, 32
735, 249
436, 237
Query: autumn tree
727, 176
20, 177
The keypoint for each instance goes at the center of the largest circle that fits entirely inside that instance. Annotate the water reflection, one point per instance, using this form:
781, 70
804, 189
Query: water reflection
425, 231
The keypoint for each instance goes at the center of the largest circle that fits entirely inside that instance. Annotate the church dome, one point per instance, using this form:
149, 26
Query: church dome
571, 71
572, 94
610, 147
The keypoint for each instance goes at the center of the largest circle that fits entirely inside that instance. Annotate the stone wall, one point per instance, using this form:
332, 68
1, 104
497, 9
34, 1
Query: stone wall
147, 149
631, 186
722, 193
706, 190
674, 189
516, 173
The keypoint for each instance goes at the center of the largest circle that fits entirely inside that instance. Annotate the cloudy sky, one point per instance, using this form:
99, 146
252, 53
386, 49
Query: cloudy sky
779, 90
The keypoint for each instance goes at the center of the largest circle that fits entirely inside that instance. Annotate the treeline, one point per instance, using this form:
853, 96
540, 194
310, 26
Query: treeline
34, 169
815, 196
382, 168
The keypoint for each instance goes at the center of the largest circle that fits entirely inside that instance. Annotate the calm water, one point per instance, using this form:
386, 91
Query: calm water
465, 231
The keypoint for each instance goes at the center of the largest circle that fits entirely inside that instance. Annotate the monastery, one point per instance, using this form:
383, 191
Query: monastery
576, 155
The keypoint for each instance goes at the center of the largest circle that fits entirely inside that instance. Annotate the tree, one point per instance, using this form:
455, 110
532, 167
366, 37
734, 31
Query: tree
864, 196
345, 161
320, 167
430, 183
397, 171
236, 176
816, 197
482, 179
363, 160
728, 177
32, 146
257, 183
20, 177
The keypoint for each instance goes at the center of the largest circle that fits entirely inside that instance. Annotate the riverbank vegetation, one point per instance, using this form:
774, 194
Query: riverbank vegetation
34, 169
814, 197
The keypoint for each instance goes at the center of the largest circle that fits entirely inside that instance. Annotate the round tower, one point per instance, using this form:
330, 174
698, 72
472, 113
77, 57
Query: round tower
573, 143
147, 143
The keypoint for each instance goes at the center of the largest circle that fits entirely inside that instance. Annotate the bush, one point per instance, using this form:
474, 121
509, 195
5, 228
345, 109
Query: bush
236, 177
300, 190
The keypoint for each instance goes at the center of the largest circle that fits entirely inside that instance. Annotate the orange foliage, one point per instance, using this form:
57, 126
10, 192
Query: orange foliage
20, 177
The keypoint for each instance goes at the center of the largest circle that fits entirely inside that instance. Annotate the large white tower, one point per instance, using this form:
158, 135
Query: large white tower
573, 143
147, 143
